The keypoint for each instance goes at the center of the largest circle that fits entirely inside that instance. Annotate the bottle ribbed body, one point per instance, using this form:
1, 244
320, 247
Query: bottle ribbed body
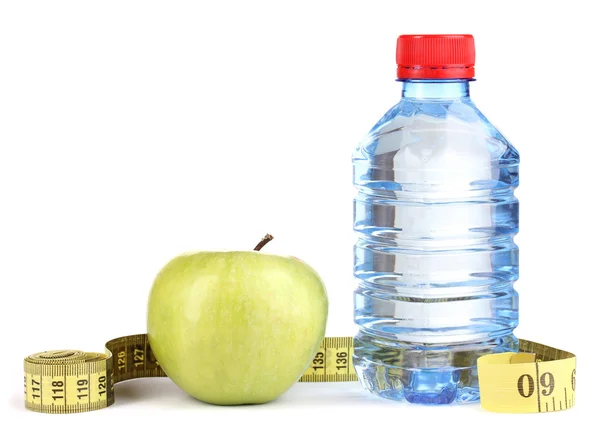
435, 216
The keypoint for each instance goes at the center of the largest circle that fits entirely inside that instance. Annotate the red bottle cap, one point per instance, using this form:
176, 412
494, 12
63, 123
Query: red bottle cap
435, 56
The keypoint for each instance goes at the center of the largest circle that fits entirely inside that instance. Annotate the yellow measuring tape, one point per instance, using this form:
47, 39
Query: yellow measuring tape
537, 379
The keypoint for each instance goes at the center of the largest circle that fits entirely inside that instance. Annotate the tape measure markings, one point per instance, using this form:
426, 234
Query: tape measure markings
57, 384
70, 381
547, 375
332, 362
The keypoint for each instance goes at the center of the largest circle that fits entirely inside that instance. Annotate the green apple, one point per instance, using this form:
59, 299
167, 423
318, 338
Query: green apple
237, 327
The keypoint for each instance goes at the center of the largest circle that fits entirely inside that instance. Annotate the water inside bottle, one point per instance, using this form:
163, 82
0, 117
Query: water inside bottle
435, 260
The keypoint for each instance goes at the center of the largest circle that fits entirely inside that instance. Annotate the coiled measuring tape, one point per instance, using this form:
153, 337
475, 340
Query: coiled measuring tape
537, 379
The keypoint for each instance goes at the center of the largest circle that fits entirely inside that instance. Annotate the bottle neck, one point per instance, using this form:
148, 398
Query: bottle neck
446, 89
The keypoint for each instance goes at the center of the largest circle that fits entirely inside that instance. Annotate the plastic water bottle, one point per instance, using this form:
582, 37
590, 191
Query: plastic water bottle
435, 217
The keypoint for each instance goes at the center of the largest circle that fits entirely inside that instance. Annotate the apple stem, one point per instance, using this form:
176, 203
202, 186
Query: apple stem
263, 242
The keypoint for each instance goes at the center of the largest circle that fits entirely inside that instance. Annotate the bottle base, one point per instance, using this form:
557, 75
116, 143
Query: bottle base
421, 374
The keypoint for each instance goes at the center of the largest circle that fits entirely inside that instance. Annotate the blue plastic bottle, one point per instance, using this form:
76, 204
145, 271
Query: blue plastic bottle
435, 217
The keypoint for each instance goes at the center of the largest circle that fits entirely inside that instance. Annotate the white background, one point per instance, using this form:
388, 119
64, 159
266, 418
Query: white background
131, 131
